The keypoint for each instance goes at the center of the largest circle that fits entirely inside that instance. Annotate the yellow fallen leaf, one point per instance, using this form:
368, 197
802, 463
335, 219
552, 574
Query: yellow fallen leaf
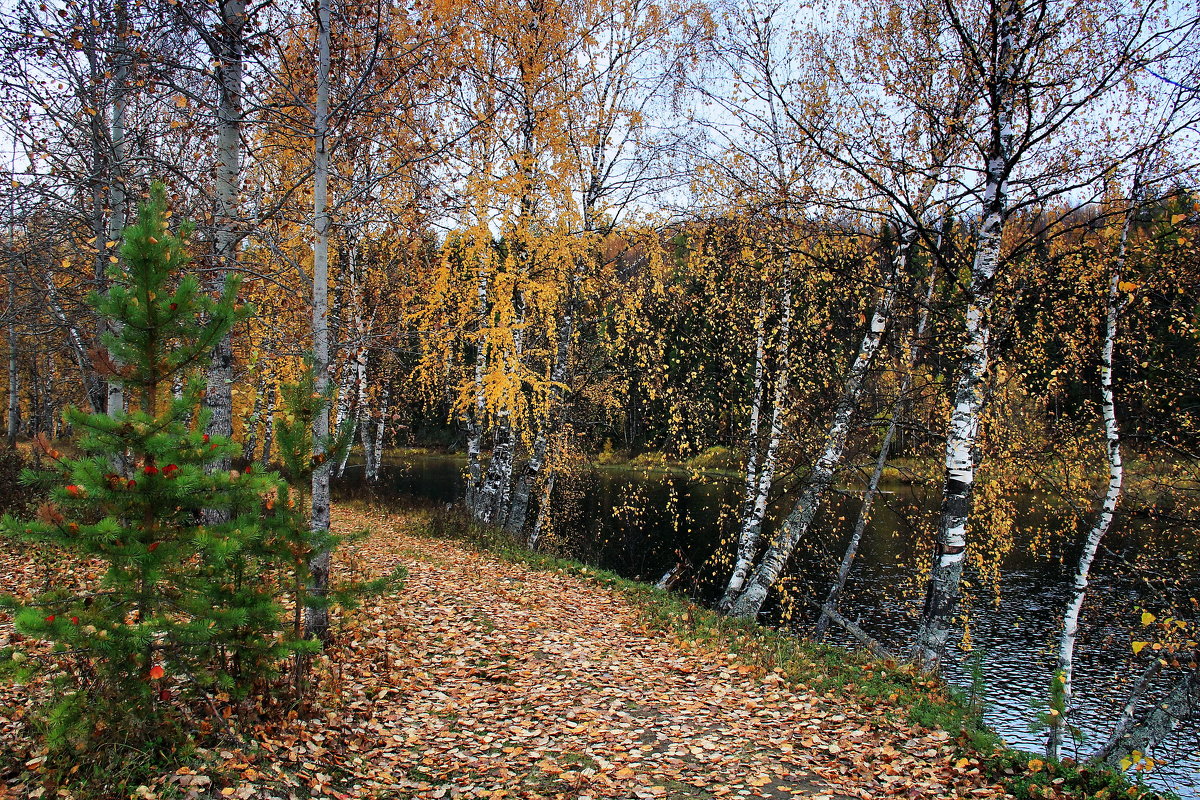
1147, 618
1137, 646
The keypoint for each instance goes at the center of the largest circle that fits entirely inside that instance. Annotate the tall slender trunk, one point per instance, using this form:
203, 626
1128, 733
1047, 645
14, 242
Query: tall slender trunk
251, 447
476, 416
941, 597
268, 425
92, 385
218, 395
316, 620
753, 429
1108, 506
117, 194
750, 601
496, 496
885, 447
14, 384
760, 472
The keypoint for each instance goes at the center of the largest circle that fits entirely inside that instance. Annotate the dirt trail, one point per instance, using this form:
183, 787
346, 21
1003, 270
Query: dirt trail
484, 678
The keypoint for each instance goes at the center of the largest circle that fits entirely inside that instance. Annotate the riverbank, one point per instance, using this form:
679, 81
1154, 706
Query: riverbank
1148, 478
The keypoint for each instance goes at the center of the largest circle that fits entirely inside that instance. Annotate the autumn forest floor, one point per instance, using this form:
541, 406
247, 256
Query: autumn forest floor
483, 676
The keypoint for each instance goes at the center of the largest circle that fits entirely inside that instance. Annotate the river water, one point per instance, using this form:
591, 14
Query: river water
639, 524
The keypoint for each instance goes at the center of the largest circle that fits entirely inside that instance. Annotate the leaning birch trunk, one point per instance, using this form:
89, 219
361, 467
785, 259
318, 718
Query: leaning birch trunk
885, 447
316, 619
750, 601
1108, 507
91, 384
1128, 718
1159, 721
218, 394
759, 492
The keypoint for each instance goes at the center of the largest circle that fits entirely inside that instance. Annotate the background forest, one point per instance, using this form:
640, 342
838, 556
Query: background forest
810, 248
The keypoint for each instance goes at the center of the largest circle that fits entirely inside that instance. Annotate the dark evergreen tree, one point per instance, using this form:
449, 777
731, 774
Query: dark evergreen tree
180, 612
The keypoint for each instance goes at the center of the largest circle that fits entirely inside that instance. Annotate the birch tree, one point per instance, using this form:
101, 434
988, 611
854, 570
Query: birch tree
1075, 56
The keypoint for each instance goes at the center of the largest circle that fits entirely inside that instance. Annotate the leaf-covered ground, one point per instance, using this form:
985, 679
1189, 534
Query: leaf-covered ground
486, 678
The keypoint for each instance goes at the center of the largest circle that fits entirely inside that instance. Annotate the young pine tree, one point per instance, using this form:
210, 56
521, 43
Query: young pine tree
179, 611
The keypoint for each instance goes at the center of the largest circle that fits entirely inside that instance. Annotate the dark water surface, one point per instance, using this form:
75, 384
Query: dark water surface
635, 523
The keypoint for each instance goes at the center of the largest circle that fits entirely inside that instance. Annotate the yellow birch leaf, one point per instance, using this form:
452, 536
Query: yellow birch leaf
1137, 647
1147, 618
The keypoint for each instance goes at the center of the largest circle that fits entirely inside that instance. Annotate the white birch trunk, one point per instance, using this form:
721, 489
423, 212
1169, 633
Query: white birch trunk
117, 197
758, 492
475, 419
218, 396
753, 429
750, 601
523, 489
356, 401
316, 620
1108, 507
372, 439
941, 597
496, 491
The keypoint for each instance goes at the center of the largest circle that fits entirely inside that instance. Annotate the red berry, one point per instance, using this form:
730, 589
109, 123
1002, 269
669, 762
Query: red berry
74, 490
174, 306
50, 618
153, 546
131, 484
74, 620
205, 438
151, 470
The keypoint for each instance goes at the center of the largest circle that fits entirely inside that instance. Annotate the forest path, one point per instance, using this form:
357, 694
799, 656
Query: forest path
486, 678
